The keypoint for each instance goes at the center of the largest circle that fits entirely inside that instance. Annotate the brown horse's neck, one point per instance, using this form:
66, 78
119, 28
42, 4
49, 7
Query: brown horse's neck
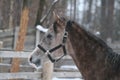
85, 51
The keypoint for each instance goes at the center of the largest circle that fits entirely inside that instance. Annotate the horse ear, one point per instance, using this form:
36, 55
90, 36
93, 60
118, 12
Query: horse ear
55, 16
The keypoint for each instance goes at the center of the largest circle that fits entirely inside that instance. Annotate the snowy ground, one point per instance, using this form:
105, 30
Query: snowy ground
67, 67
67, 79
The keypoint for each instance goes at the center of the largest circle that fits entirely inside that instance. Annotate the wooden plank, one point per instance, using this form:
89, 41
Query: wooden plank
6, 33
13, 54
65, 70
67, 74
10, 32
1, 45
37, 75
23, 68
21, 75
47, 72
37, 37
15, 37
30, 68
20, 54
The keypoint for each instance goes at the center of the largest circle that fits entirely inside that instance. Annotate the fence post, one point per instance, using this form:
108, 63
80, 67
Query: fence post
47, 72
37, 37
1, 45
15, 37
21, 35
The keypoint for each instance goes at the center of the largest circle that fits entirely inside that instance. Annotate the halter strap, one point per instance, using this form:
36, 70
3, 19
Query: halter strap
48, 52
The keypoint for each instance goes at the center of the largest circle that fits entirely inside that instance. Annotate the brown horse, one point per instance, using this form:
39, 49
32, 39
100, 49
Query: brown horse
93, 57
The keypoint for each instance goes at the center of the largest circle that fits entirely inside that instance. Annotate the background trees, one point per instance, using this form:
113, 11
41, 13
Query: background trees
102, 17
107, 18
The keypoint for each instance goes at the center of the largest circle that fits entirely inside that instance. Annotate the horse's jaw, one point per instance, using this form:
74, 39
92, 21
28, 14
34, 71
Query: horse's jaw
34, 59
36, 66
36, 63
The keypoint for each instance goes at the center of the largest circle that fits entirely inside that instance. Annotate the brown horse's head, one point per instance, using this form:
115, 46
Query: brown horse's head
52, 38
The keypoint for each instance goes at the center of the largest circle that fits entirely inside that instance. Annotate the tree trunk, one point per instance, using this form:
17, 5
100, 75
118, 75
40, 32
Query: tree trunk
89, 12
74, 10
11, 14
103, 18
107, 19
5, 10
39, 12
21, 35
110, 16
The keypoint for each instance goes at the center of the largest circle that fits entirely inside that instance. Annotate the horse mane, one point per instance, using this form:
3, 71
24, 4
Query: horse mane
90, 35
112, 57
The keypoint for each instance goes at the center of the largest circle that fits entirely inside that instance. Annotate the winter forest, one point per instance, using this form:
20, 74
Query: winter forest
101, 17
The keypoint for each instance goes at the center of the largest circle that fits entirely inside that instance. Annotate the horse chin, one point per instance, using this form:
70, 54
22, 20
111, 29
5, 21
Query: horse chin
34, 62
36, 65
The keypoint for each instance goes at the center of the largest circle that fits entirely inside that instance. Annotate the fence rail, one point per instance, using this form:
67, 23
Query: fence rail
21, 75
12, 54
19, 54
37, 75
60, 73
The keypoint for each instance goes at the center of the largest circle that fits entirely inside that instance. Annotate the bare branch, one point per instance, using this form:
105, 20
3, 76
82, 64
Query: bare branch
50, 9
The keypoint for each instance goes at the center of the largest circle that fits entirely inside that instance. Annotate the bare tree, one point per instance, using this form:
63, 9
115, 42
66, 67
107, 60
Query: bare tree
39, 12
89, 11
5, 13
74, 9
110, 19
103, 17
11, 14
107, 8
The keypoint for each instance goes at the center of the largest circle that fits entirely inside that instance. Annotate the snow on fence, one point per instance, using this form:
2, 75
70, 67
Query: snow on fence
60, 73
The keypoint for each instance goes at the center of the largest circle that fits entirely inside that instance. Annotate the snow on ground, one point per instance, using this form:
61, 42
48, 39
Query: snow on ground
68, 67
67, 78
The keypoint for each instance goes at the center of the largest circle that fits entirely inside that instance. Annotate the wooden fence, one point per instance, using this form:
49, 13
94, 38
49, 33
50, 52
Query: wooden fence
61, 73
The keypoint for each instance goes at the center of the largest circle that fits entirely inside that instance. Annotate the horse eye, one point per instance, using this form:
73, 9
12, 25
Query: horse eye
49, 36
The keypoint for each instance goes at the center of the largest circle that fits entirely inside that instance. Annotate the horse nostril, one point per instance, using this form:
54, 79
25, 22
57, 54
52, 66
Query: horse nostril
30, 59
38, 62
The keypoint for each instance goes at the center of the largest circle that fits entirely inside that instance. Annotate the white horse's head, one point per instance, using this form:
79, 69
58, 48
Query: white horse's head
53, 44
37, 54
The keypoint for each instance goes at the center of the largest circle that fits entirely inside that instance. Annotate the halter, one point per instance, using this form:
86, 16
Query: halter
48, 52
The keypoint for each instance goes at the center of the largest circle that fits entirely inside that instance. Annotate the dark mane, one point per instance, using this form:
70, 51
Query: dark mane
91, 36
112, 57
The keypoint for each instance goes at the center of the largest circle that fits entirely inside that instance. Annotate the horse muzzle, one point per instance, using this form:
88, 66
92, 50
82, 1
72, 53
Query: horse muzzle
35, 62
